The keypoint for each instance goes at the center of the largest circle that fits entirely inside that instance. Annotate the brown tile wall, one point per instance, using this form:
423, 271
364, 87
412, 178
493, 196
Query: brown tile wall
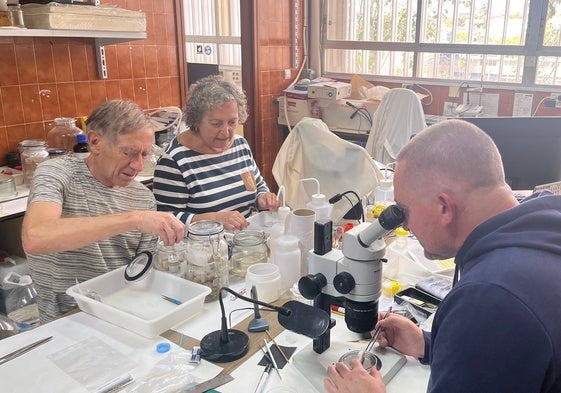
274, 55
44, 78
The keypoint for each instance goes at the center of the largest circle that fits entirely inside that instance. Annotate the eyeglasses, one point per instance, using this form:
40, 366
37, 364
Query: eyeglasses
132, 153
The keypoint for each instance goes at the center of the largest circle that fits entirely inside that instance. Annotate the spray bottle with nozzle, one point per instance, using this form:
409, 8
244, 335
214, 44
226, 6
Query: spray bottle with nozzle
318, 203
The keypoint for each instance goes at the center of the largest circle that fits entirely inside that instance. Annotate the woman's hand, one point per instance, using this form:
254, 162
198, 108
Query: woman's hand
232, 220
268, 201
353, 380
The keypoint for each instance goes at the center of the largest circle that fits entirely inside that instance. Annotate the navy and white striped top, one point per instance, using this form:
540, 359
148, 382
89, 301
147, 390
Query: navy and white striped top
187, 182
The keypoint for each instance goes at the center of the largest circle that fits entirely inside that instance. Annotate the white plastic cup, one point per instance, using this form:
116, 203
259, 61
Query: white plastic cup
267, 280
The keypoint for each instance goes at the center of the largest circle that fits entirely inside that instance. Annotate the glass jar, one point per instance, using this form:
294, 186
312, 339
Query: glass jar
63, 134
171, 259
32, 153
248, 248
206, 252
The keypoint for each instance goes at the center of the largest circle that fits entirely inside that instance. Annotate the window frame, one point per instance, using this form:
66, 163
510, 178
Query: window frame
531, 50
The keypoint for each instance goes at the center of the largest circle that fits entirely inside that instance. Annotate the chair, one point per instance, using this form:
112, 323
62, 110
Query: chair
311, 150
399, 116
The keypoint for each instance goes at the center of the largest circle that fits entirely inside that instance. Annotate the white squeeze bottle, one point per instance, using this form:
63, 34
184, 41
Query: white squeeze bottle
318, 203
278, 228
287, 258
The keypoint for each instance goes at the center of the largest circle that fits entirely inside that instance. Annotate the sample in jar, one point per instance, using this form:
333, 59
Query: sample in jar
206, 252
32, 153
248, 248
63, 134
171, 259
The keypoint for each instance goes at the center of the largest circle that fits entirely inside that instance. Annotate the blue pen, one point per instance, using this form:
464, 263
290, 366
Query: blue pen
172, 300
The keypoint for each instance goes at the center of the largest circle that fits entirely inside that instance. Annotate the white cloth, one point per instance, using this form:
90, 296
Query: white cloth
399, 116
311, 150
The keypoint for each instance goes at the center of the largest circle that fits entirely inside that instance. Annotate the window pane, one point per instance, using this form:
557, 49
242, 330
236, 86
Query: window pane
199, 17
230, 54
369, 62
548, 71
229, 18
471, 67
475, 22
371, 20
552, 35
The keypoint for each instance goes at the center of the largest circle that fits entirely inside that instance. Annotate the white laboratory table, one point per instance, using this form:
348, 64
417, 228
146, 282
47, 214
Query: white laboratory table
82, 339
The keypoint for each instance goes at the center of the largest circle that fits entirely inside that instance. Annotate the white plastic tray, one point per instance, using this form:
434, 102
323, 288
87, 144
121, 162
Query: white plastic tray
139, 306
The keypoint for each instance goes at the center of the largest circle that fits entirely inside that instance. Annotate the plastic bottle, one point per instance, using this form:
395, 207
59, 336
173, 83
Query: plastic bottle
21, 302
318, 203
287, 258
278, 228
384, 193
398, 248
81, 147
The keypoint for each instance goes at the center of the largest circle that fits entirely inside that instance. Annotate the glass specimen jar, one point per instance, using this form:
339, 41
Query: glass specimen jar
206, 252
32, 153
63, 134
248, 248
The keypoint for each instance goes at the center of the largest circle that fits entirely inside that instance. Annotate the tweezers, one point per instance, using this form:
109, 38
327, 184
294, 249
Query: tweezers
22, 350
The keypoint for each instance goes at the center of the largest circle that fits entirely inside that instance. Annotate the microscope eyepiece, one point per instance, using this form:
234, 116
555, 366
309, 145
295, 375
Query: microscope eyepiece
391, 217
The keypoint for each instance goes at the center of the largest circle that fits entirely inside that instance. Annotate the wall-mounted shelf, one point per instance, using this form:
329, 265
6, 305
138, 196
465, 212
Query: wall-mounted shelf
102, 38
106, 37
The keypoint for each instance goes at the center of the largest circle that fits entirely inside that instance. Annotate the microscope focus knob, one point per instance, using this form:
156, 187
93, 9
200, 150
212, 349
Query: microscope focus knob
311, 285
344, 282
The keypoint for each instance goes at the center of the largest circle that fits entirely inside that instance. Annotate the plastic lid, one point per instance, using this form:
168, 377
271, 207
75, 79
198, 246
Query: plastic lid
287, 242
163, 347
318, 199
81, 138
282, 213
399, 231
386, 184
139, 267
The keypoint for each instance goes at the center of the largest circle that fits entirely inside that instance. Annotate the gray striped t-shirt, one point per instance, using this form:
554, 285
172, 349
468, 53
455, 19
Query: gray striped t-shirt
68, 182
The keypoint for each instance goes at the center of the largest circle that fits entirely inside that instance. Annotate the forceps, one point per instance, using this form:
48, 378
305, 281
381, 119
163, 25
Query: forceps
22, 350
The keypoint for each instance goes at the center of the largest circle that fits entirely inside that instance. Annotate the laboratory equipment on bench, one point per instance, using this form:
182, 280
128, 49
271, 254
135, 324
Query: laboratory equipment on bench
353, 273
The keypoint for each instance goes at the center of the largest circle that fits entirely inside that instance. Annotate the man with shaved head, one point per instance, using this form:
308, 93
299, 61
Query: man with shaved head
499, 328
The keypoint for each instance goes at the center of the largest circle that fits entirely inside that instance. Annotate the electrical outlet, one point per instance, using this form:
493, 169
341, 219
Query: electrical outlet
287, 73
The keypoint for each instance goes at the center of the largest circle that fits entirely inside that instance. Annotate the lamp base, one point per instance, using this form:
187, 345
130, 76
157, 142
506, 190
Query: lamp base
214, 350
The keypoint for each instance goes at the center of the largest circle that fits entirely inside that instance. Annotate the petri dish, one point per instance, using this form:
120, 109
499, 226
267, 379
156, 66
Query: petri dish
370, 359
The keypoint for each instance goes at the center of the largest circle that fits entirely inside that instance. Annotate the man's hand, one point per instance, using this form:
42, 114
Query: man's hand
401, 334
164, 225
353, 380
232, 220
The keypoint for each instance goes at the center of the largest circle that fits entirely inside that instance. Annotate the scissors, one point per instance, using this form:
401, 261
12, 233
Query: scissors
22, 350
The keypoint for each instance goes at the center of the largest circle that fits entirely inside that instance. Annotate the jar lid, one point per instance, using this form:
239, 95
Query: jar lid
206, 227
139, 267
249, 238
65, 120
33, 143
57, 152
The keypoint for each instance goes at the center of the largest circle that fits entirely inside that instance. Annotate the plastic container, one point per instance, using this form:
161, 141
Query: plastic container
248, 248
287, 257
143, 311
267, 280
80, 149
399, 249
63, 134
21, 303
318, 203
206, 252
384, 193
32, 153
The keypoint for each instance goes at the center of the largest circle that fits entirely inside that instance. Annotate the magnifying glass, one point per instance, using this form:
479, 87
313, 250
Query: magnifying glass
139, 267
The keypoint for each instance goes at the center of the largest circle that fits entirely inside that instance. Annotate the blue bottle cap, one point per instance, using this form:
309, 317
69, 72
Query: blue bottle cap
162, 347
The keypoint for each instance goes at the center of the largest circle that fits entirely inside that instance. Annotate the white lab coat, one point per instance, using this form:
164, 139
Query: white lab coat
311, 150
